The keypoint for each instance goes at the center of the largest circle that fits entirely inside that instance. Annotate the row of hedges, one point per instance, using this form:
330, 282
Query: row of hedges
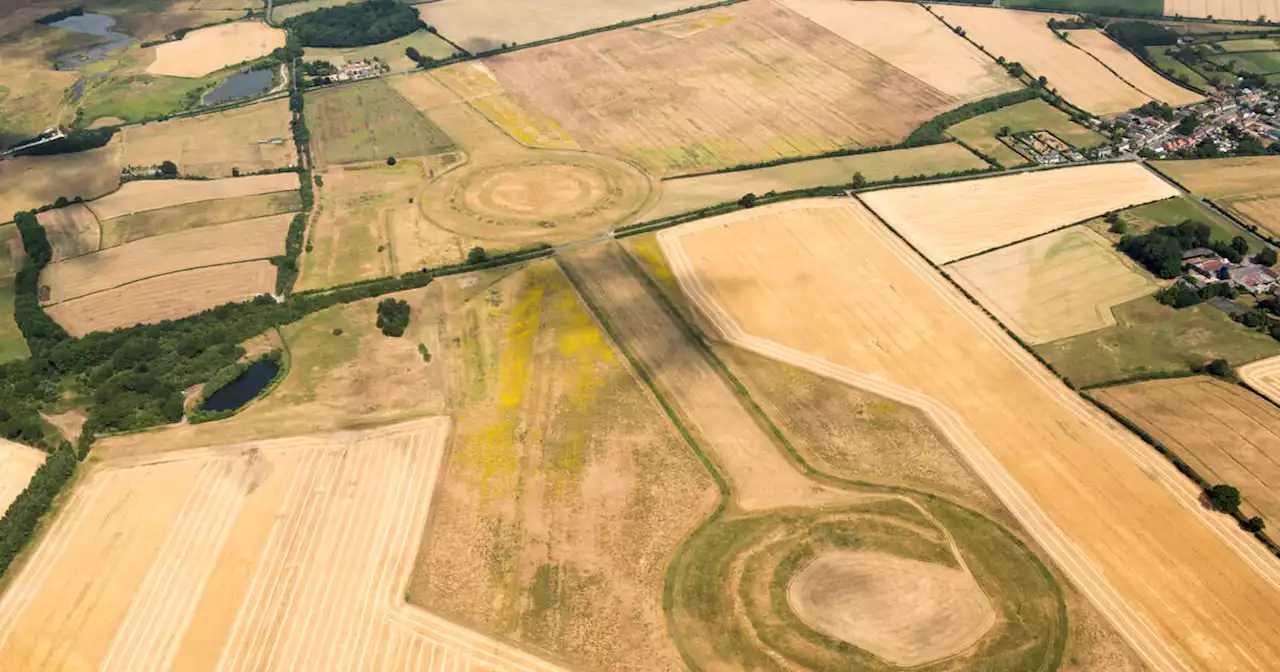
75, 141
287, 264
196, 413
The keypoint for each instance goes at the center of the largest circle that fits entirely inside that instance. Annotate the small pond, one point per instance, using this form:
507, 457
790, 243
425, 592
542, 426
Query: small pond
92, 24
242, 85
244, 388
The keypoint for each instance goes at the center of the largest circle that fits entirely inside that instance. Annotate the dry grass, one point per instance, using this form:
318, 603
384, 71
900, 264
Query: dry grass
72, 231
1119, 520
1053, 286
1235, 10
210, 145
1227, 433
17, 464
369, 121
747, 83
475, 84
1263, 376
203, 51
144, 195
981, 132
1133, 71
165, 297
918, 43
690, 193
1024, 37
957, 219
33, 90
32, 181
127, 228
1246, 186
160, 255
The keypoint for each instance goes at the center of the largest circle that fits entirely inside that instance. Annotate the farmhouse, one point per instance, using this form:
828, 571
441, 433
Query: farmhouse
1254, 277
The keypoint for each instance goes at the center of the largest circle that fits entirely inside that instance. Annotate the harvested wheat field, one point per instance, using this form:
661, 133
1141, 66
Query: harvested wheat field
369, 121
143, 195
691, 193
170, 253
1025, 37
172, 219
1263, 376
1130, 69
918, 43
252, 138
476, 84
477, 27
1225, 432
72, 231
1053, 286
722, 87
207, 50
1246, 186
33, 181
277, 554
17, 464
1234, 10
1115, 516
956, 219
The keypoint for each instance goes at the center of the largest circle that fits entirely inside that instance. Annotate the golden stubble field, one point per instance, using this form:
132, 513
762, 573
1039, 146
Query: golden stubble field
917, 42
143, 195
282, 554
252, 138
1264, 376
1183, 585
727, 86
72, 231
957, 219
1053, 286
1132, 70
1024, 37
17, 464
1233, 10
33, 181
203, 51
1246, 186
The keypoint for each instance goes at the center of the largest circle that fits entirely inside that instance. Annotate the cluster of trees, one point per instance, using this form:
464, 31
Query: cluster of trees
932, 131
1182, 295
58, 16
1160, 250
393, 317
75, 141
417, 57
1226, 499
355, 25
1138, 35
20, 519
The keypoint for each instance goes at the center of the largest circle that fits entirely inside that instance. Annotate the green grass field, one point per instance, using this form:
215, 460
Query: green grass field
1152, 339
392, 52
369, 121
1177, 68
1171, 211
1150, 7
1248, 44
1257, 62
1033, 115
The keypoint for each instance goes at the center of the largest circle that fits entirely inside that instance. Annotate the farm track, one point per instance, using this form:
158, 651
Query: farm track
1134, 626
325, 585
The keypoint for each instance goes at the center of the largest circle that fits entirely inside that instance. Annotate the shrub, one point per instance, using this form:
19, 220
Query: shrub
391, 160
1224, 498
1255, 524
748, 200
169, 169
1267, 257
426, 355
477, 255
393, 317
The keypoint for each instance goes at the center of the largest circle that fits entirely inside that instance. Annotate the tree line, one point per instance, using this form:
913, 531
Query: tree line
75, 141
355, 25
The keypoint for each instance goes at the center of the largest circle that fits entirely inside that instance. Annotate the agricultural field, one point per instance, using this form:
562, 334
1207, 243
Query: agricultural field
478, 28
12, 344
1141, 7
143, 195
1132, 70
281, 12
918, 44
164, 297
774, 280
1173, 211
1257, 62
1232, 10
1263, 376
981, 131
958, 219
163, 255
127, 228
34, 181
1053, 286
691, 193
718, 88
474, 83
1194, 28
1244, 186
72, 231
17, 464
1177, 69
1249, 44
392, 52
369, 121
252, 138
1024, 37
203, 51
1225, 432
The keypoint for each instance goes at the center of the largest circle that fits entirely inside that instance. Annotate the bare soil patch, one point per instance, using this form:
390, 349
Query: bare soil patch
33, 181
72, 231
251, 138
143, 195
127, 228
207, 50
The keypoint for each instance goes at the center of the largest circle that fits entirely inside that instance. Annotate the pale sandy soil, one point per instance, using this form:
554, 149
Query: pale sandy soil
956, 219
1184, 585
159, 255
17, 464
210, 145
1053, 286
1132, 70
33, 181
918, 43
142, 195
165, 297
1237, 10
203, 51
1025, 37
905, 611
1263, 376
72, 231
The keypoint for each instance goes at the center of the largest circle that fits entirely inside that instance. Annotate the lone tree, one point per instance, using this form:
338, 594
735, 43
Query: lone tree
1220, 368
393, 316
1003, 132
1267, 257
169, 169
858, 181
1224, 498
412, 54
747, 200
1255, 524
477, 255
391, 160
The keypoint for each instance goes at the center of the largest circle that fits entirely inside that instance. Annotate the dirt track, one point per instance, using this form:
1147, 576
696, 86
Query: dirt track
1184, 586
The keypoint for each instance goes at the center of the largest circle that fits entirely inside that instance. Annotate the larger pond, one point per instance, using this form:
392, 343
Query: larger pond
91, 24
244, 388
245, 84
